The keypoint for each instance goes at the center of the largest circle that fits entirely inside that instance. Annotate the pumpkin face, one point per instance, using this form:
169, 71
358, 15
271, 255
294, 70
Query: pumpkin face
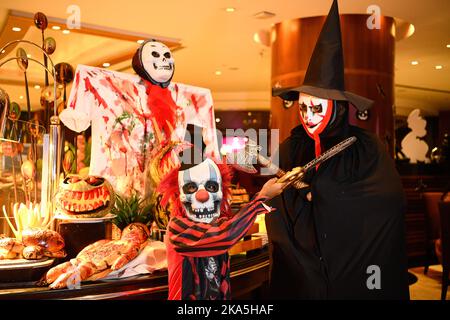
84, 197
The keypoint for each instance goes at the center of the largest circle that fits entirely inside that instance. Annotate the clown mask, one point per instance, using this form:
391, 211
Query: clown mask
201, 191
314, 113
158, 62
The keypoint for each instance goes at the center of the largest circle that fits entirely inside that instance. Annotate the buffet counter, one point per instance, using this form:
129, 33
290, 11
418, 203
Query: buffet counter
249, 277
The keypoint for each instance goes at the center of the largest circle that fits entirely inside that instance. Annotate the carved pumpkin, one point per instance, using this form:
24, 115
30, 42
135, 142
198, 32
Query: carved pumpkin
85, 197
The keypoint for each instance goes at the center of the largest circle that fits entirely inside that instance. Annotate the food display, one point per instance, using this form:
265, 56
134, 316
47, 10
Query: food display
35, 244
84, 197
40, 242
102, 256
29, 216
239, 195
10, 248
33, 239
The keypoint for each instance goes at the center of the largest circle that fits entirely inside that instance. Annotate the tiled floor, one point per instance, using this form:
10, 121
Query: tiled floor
427, 287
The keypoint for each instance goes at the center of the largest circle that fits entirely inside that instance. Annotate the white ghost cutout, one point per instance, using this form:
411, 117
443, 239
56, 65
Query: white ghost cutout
412, 146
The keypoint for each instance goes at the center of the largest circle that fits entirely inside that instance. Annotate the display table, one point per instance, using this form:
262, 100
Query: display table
249, 277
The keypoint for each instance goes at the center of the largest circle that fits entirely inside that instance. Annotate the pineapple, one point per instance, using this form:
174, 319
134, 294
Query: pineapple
129, 210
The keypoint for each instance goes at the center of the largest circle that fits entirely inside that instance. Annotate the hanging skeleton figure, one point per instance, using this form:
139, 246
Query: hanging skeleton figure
202, 228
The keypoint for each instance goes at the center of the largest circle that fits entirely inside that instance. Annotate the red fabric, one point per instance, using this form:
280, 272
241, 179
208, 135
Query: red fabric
162, 107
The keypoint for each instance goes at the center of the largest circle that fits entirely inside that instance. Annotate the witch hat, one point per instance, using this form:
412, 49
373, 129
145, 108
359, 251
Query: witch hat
324, 77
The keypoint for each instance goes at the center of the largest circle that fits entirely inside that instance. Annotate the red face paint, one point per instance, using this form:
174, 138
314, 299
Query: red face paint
315, 114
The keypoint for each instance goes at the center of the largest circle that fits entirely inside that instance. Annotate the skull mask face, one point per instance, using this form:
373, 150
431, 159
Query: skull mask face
158, 62
201, 191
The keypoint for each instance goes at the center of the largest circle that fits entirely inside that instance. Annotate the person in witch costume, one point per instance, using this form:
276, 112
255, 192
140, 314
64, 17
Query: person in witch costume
343, 237
202, 228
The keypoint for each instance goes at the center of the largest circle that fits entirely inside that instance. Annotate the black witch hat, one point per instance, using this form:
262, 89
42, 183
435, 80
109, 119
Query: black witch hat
325, 75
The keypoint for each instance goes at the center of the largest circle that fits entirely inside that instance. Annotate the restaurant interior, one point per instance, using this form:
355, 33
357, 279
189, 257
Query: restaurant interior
65, 64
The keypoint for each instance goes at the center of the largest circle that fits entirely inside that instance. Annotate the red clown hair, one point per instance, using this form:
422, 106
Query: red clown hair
170, 192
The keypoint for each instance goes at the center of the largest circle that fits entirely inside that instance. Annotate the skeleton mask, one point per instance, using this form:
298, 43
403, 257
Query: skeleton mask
315, 113
201, 191
154, 62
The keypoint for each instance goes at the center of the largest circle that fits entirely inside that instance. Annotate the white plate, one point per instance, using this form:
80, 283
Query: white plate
109, 216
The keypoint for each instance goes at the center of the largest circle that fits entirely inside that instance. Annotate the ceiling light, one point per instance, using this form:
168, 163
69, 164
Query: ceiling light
230, 9
16, 29
140, 41
414, 63
411, 30
37, 87
218, 73
106, 64
217, 120
264, 15
66, 31
29, 55
21, 97
438, 67
448, 46
3, 51
56, 28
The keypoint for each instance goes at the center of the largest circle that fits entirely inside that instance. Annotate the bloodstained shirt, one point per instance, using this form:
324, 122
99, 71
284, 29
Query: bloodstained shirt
130, 119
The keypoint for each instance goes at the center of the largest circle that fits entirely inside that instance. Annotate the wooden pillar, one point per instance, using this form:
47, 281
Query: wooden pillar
369, 57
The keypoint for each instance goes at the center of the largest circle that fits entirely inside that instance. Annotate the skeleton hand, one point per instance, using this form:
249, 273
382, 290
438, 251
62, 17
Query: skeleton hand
272, 188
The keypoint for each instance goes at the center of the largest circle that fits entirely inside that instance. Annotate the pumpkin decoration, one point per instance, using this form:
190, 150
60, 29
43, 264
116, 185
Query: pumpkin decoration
85, 197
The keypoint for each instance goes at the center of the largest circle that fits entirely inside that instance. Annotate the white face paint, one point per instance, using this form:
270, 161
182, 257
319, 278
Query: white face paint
312, 112
157, 61
201, 191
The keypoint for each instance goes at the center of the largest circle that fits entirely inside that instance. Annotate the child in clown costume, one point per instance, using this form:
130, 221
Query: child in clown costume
202, 229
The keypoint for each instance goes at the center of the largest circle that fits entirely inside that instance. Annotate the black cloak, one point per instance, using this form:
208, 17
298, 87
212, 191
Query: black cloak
324, 249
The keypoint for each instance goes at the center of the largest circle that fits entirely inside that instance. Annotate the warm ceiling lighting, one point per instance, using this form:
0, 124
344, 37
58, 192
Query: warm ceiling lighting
66, 31
217, 120
448, 46
414, 63
230, 9
37, 87
16, 29
140, 41
438, 67
411, 30
218, 73
106, 64
21, 97
264, 15
29, 55
3, 51
56, 28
